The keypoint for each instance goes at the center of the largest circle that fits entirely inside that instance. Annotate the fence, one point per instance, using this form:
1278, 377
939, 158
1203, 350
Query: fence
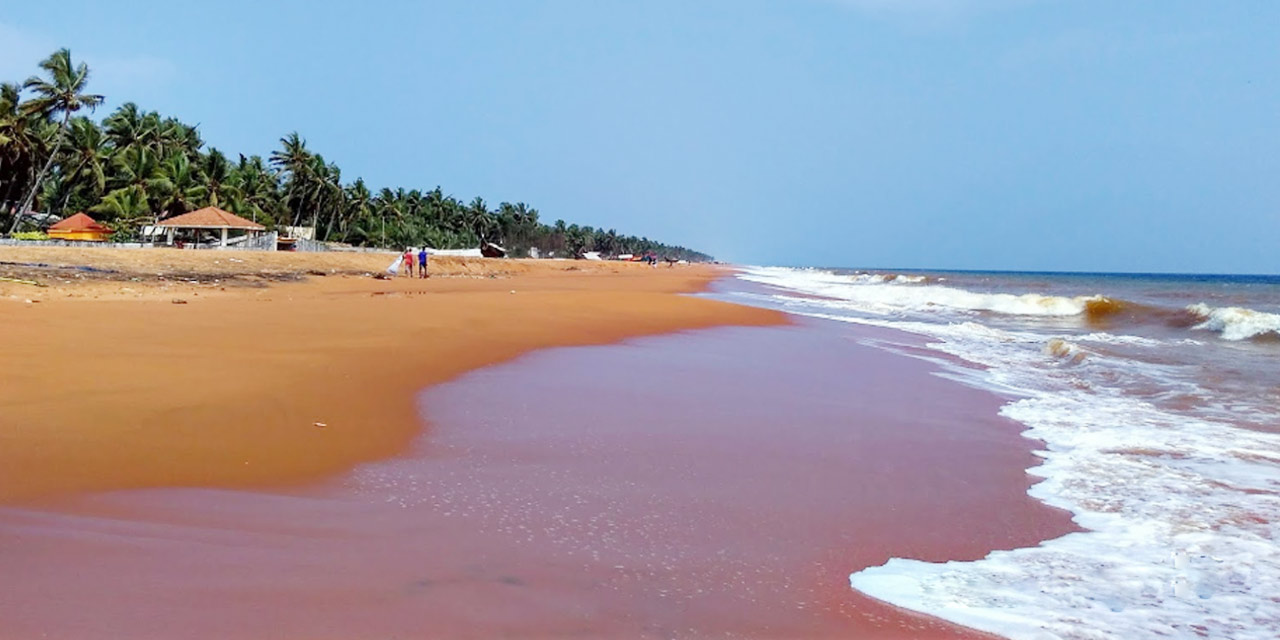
303, 244
263, 242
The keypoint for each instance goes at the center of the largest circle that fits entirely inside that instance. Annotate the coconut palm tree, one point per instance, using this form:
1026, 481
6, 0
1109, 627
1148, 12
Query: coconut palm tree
9, 99
181, 188
358, 210
138, 167
138, 163
63, 92
172, 135
124, 209
129, 126
217, 184
293, 161
88, 158
24, 139
256, 192
480, 220
387, 208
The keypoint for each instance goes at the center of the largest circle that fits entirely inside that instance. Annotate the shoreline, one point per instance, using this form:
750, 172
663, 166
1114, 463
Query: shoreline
268, 386
718, 517
356, 355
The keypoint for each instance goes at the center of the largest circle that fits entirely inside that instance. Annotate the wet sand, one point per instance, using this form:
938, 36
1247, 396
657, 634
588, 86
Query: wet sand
718, 483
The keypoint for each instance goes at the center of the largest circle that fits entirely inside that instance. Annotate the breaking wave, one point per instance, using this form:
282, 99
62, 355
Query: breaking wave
892, 294
1066, 351
1237, 323
887, 293
1179, 504
888, 278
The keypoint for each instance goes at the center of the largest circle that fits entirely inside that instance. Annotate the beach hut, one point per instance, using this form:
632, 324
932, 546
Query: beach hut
209, 219
79, 227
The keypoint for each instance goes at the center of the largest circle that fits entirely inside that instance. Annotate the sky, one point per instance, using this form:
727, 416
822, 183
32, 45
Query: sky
1070, 135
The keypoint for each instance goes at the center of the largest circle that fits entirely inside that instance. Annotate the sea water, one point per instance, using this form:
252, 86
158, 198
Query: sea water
1157, 400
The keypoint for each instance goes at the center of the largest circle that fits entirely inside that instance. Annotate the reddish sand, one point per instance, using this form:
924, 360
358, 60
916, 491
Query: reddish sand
710, 484
244, 386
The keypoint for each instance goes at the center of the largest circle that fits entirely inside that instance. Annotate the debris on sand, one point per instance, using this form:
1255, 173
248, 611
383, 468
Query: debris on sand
21, 281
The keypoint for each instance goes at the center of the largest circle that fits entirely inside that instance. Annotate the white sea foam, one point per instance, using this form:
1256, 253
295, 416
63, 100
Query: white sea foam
1067, 351
1138, 341
1236, 323
1149, 487
879, 293
883, 278
1181, 513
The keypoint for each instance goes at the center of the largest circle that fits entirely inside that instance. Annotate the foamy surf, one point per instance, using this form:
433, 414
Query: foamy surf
883, 293
1179, 541
1237, 323
1174, 475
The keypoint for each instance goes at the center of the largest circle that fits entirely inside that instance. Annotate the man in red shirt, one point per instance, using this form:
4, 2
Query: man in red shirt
408, 262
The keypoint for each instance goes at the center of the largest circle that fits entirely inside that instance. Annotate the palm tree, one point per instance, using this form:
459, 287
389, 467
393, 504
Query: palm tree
9, 99
139, 163
293, 160
358, 210
138, 167
256, 190
55, 188
479, 219
181, 187
387, 207
63, 92
128, 126
217, 186
124, 209
129, 202
23, 138
337, 199
89, 157
171, 135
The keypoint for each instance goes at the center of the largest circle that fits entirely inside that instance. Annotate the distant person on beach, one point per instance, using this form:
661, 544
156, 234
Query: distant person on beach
408, 261
422, 263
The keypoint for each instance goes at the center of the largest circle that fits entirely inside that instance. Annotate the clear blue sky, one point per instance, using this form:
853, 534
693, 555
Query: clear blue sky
1007, 134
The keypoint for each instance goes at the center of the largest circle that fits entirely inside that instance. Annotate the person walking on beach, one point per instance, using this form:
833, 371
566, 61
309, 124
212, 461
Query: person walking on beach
422, 263
408, 261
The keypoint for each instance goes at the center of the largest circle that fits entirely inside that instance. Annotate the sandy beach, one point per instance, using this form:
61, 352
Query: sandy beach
294, 455
911, 320
264, 375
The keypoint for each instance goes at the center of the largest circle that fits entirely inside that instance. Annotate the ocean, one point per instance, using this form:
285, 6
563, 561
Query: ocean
1157, 400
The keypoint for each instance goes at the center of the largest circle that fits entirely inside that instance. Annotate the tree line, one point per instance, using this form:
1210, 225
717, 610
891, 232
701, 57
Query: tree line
136, 166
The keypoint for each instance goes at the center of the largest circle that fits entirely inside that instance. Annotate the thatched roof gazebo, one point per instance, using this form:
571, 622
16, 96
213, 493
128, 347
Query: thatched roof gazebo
208, 219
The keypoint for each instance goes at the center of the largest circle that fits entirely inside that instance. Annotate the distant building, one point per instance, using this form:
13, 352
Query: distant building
79, 227
305, 233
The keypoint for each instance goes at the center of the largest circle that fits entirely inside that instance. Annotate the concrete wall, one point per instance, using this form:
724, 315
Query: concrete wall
264, 242
9, 242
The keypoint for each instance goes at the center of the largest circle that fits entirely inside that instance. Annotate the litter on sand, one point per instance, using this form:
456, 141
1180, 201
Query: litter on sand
19, 281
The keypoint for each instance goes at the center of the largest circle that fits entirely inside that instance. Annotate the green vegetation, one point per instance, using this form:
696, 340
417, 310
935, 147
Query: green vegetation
137, 166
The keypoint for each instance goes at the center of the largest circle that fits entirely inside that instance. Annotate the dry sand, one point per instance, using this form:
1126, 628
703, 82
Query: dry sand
109, 384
